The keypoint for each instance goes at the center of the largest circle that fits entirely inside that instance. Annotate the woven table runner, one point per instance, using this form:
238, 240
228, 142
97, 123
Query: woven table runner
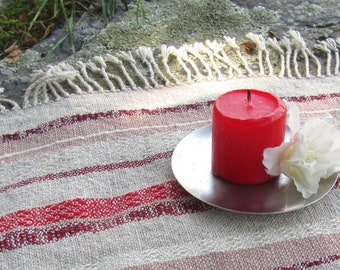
86, 181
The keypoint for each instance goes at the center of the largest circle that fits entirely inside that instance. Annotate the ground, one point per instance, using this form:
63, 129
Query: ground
174, 22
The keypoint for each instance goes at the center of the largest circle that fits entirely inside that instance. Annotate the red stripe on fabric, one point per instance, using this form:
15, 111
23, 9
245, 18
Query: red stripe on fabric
311, 98
306, 264
70, 120
87, 170
45, 235
90, 208
93, 208
337, 183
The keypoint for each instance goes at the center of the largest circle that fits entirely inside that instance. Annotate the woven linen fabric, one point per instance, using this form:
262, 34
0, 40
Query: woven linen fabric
86, 183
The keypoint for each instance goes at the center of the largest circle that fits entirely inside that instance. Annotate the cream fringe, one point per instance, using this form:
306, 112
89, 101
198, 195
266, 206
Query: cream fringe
146, 68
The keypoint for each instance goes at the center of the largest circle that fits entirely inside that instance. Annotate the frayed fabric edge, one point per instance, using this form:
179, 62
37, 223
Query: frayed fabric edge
147, 68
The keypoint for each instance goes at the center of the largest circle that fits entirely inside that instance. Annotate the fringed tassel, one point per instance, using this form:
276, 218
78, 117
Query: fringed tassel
273, 42
49, 80
149, 55
179, 56
55, 87
82, 79
261, 45
101, 70
4, 103
184, 54
88, 79
192, 50
322, 46
127, 56
232, 43
110, 76
143, 52
286, 44
202, 49
218, 51
165, 54
329, 46
75, 87
116, 61
300, 46
199, 61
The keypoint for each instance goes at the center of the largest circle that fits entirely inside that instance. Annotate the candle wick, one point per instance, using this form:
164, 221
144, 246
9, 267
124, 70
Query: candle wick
249, 96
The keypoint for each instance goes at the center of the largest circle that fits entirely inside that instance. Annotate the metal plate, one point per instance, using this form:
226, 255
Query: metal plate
191, 164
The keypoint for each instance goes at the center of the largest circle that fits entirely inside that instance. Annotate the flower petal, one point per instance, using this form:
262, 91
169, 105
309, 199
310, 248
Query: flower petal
272, 158
312, 153
331, 160
305, 179
319, 134
293, 117
297, 150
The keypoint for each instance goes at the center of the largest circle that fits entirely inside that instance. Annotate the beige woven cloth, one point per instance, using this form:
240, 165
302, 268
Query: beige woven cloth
86, 183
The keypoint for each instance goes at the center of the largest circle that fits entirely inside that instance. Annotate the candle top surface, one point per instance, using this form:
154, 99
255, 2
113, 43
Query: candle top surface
242, 105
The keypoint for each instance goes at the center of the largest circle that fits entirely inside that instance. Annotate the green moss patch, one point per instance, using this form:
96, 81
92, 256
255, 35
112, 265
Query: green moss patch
177, 22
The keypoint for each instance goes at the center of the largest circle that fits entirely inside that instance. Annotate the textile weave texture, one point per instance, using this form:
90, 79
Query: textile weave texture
86, 183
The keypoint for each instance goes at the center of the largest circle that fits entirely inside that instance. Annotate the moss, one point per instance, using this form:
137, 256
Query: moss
260, 16
14, 9
210, 19
308, 9
10, 31
177, 22
14, 23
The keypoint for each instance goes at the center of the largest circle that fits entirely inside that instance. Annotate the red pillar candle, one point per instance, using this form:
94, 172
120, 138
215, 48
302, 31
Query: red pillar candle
244, 123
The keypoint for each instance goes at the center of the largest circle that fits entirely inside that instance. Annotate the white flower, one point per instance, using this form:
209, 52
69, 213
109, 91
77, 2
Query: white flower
312, 153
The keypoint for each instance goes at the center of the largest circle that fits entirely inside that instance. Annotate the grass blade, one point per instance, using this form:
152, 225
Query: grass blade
69, 22
58, 44
140, 8
42, 6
